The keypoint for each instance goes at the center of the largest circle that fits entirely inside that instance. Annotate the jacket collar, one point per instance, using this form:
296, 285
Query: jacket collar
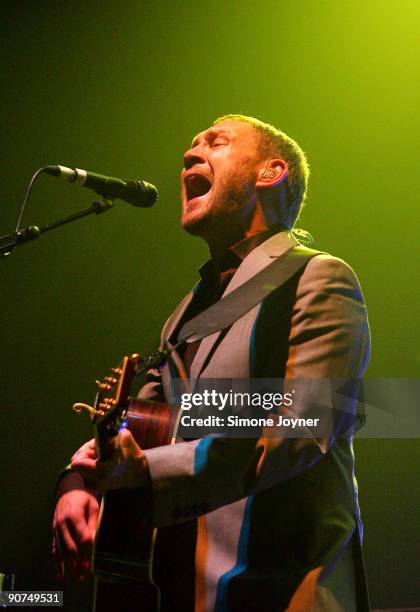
239, 251
260, 257
257, 259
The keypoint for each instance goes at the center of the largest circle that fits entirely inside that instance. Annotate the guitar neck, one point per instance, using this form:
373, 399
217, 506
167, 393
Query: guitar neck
111, 402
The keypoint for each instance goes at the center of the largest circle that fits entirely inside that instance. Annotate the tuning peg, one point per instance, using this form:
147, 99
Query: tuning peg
103, 386
116, 371
111, 380
79, 406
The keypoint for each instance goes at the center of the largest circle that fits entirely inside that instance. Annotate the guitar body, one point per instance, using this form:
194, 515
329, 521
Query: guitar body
123, 558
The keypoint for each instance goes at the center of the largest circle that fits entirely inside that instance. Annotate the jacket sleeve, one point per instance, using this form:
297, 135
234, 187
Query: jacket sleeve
329, 338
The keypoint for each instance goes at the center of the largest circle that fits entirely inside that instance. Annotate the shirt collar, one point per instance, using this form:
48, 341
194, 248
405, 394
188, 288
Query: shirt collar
235, 254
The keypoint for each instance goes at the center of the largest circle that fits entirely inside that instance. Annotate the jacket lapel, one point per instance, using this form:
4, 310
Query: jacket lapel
174, 319
170, 370
257, 260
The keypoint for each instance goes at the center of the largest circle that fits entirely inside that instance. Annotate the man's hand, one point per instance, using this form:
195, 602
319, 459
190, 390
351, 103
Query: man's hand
77, 509
125, 468
74, 526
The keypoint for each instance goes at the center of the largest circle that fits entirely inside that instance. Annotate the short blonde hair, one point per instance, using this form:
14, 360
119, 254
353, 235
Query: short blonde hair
275, 143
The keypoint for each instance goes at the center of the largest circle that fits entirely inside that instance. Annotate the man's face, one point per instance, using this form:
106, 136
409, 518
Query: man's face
218, 181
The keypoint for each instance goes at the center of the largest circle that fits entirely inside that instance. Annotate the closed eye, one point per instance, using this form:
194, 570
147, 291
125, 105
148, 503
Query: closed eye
219, 142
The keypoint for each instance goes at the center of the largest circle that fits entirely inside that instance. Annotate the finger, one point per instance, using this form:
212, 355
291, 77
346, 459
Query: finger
66, 544
83, 535
127, 440
57, 558
77, 570
84, 463
89, 444
56, 551
88, 449
92, 514
84, 569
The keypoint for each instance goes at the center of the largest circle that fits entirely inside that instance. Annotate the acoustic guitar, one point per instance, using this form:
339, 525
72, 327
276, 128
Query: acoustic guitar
123, 558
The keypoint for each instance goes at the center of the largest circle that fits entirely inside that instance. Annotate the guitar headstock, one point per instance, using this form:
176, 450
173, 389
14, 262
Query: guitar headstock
112, 399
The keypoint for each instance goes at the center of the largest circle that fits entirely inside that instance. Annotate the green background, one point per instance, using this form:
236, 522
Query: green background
121, 88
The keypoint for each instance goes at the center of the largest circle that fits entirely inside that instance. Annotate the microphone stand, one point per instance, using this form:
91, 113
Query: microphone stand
9, 241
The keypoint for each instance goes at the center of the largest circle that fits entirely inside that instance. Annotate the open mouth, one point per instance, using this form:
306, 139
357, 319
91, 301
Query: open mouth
196, 185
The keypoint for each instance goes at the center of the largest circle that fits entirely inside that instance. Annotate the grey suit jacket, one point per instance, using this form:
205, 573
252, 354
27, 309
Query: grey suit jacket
277, 519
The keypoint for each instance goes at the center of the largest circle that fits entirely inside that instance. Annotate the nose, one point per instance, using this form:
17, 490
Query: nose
192, 157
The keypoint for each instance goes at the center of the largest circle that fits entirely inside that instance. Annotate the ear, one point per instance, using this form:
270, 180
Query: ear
274, 172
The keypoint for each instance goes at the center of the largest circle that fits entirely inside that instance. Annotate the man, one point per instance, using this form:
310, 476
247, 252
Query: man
276, 517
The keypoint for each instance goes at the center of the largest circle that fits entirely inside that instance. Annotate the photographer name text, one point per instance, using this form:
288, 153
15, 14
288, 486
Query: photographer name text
237, 421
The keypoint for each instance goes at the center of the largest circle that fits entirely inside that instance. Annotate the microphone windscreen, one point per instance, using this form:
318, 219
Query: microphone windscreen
140, 193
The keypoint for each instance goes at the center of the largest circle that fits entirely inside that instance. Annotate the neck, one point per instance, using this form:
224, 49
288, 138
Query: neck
220, 242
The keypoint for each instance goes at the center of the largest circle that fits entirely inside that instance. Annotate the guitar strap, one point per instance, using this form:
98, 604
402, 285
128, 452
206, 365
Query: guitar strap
230, 308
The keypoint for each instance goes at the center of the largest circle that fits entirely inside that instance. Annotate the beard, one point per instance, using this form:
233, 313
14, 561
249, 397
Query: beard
227, 213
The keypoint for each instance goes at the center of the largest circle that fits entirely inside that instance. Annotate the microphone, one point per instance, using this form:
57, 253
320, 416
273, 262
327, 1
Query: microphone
136, 193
